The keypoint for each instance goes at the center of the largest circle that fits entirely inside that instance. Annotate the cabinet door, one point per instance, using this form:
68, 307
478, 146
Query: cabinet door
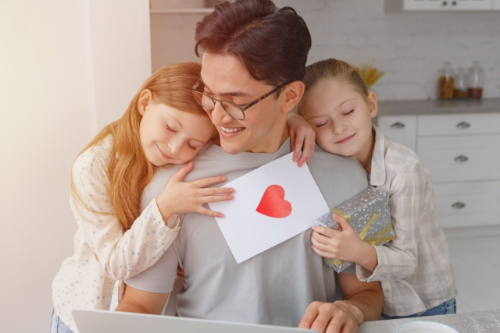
467, 204
461, 158
496, 5
470, 4
401, 129
459, 124
426, 4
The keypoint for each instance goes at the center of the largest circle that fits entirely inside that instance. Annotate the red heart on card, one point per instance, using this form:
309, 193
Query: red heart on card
273, 203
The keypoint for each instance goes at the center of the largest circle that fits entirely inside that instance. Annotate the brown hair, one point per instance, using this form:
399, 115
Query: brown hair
272, 43
130, 173
332, 69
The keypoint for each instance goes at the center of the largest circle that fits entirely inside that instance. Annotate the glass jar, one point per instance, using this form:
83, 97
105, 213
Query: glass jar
460, 90
446, 81
475, 81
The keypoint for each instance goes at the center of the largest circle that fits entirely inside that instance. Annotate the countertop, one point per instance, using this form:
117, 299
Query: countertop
471, 322
427, 107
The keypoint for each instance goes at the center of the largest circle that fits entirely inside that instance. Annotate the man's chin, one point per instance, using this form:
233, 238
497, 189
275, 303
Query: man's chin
231, 148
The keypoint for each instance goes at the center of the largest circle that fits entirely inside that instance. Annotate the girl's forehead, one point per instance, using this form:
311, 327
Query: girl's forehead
331, 91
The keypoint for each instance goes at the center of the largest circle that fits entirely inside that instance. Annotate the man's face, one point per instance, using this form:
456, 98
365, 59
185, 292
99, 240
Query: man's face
226, 78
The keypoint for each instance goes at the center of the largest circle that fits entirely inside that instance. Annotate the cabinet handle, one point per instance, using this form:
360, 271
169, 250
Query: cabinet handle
444, 3
458, 205
463, 124
454, 3
461, 158
397, 124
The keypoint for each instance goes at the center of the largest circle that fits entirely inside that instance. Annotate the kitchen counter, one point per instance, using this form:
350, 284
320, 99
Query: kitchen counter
471, 322
426, 107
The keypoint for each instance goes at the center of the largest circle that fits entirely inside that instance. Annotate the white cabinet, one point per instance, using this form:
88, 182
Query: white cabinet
425, 4
439, 5
470, 5
462, 153
402, 129
467, 204
496, 5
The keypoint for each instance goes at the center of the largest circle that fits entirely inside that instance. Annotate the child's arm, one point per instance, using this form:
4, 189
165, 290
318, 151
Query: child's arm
124, 254
302, 138
410, 202
410, 194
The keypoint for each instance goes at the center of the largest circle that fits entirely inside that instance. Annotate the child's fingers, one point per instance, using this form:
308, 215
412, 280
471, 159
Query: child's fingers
297, 146
324, 231
209, 181
319, 245
216, 198
215, 191
296, 153
307, 152
320, 252
320, 238
209, 212
342, 221
179, 175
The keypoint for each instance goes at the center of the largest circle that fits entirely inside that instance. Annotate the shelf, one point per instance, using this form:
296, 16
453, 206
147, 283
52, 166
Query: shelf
182, 11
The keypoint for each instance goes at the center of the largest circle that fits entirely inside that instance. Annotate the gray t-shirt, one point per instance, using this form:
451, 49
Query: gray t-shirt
274, 287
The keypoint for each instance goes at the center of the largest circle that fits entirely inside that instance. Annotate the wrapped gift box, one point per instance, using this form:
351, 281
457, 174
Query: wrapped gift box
368, 213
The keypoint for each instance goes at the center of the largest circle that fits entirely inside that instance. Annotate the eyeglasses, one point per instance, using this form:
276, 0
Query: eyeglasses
236, 111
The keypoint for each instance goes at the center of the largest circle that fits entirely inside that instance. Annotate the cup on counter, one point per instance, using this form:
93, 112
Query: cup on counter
425, 327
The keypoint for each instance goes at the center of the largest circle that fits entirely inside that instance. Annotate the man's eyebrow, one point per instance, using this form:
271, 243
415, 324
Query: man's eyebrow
230, 93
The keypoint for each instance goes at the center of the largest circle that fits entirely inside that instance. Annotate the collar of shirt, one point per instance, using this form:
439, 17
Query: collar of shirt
378, 173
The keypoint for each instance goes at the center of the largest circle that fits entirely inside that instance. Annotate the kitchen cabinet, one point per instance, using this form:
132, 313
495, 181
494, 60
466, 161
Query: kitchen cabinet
439, 5
461, 149
402, 129
496, 5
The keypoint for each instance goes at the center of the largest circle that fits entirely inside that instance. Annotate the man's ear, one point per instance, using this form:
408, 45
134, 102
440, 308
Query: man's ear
372, 103
292, 95
145, 97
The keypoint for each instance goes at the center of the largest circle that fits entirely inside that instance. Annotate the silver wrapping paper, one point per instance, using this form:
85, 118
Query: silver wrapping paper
369, 215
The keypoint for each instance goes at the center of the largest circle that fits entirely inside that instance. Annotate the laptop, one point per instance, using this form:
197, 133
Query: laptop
98, 321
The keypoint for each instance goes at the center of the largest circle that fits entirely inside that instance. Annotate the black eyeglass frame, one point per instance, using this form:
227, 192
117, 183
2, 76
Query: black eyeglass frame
242, 108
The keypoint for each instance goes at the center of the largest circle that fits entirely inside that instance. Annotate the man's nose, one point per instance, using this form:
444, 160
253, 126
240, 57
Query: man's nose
219, 115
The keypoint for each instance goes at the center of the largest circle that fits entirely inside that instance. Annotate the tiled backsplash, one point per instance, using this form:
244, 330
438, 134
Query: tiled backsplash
409, 47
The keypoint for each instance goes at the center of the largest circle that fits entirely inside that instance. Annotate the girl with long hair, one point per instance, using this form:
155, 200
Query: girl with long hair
115, 240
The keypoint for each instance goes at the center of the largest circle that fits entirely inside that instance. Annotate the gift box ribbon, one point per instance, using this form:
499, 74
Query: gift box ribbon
376, 239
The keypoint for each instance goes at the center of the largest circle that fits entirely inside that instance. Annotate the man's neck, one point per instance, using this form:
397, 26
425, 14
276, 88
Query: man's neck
273, 144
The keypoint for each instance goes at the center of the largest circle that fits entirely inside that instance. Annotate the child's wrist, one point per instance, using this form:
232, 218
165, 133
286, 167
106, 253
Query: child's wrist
368, 258
165, 207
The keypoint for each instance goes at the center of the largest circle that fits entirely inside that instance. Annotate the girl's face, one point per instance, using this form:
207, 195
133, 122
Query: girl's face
341, 117
171, 136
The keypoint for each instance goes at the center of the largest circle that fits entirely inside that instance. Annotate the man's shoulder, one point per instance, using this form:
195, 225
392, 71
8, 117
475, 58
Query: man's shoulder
339, 178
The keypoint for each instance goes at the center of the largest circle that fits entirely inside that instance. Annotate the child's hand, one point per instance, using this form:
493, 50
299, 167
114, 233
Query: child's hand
342, 245
302, 138
180, 197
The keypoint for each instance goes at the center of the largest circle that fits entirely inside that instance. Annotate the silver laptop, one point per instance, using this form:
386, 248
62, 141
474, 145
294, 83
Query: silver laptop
96, 321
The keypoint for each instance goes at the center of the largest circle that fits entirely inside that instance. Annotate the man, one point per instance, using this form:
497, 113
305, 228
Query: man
253, 63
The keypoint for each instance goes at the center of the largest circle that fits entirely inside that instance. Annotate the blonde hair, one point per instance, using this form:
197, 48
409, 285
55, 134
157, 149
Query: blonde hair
332, 69
130, 173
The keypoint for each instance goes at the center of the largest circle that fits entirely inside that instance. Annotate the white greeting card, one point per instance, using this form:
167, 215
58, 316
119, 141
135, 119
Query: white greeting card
271, 204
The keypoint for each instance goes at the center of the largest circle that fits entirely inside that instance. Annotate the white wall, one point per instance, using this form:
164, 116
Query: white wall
62, 77
409, 47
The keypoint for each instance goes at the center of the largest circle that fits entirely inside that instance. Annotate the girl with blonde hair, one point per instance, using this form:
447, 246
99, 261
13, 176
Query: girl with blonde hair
414, 268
